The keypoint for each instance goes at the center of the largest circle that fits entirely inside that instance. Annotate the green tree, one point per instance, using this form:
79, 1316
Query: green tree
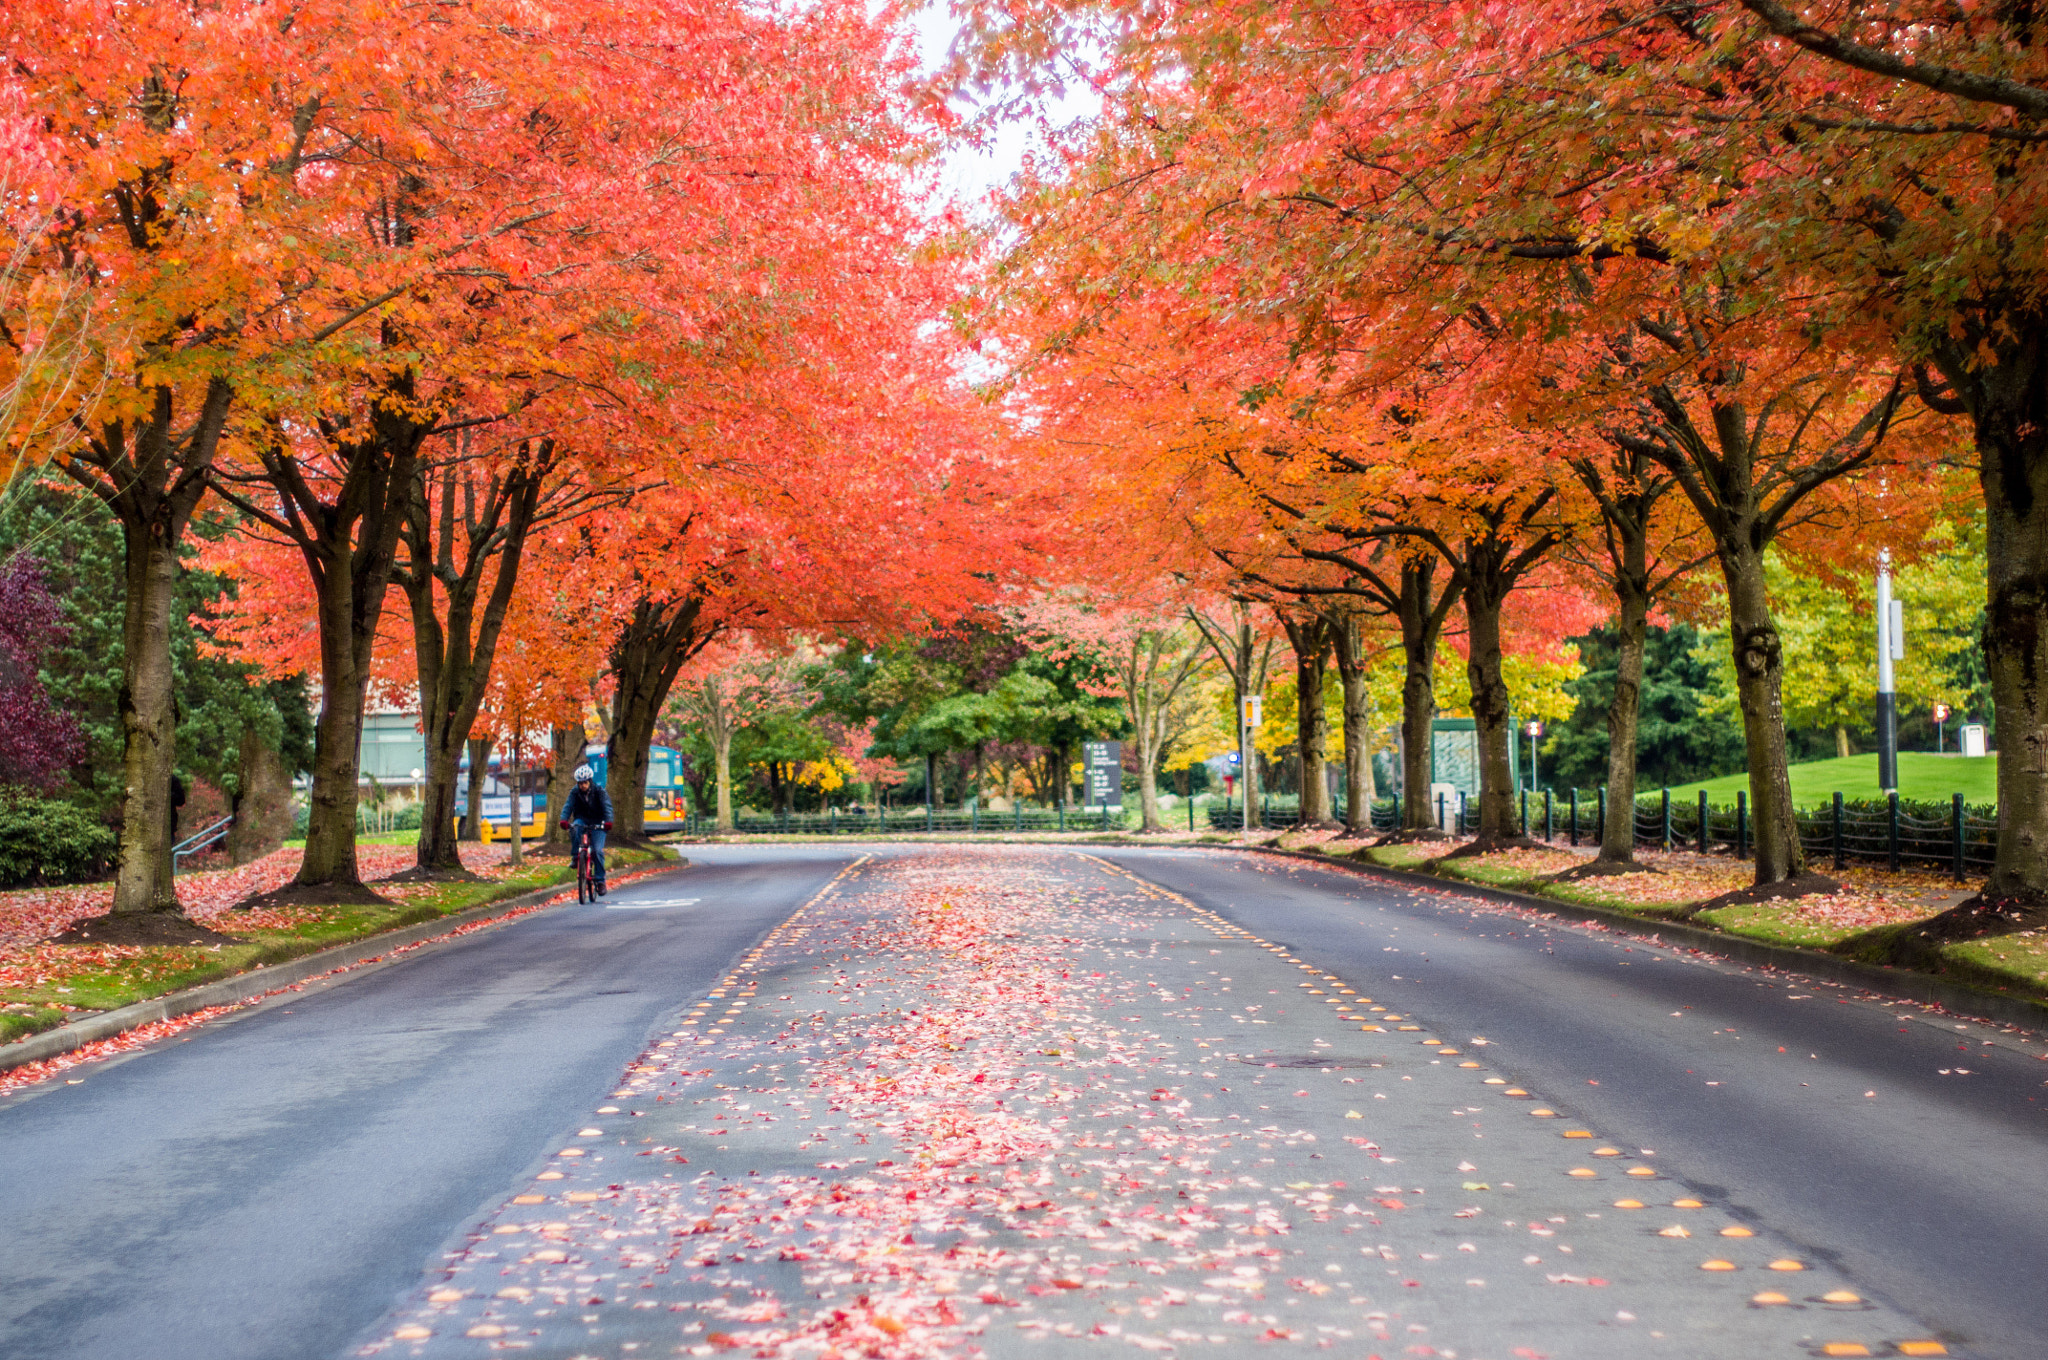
776, 743
1538, 686
1072, 702
1829, 626
222, 709
1673, 744
971, 688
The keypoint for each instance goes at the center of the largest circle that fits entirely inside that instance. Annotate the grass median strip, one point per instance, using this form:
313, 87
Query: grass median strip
44, 985
1869, 899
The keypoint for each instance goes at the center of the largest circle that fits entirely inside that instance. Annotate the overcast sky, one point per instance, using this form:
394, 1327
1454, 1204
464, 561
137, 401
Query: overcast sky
970, 174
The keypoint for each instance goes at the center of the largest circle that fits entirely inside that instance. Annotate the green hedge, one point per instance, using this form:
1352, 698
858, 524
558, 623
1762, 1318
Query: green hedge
45, 841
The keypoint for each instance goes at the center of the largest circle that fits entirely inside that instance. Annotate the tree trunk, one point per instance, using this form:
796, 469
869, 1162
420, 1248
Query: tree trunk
2008, 403
330, 854
454, 654
1246, 659
778, 791
438, 831
473, 799
1349, 633
1747, 475
566, 750
1759, 671
149, 727
645, 659
351, 548
152, 478
1485, 594
1624, 717
263, 801
1422, 626
1310, 636
449, 702
721, 751
1148, 786
1154, 669
1626, 484
518, 810
1842, 751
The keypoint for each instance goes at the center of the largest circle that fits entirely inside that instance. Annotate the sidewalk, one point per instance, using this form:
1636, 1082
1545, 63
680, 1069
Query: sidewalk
967, 1101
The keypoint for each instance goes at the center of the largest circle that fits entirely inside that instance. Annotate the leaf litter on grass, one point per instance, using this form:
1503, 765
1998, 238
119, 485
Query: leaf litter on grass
30, 916
1868, 896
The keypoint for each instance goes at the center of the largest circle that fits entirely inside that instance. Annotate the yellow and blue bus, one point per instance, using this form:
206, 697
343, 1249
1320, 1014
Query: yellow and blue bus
667, 807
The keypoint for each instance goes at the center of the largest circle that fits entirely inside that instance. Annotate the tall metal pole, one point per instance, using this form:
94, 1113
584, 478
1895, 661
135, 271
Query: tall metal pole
1248, 716
1889, 645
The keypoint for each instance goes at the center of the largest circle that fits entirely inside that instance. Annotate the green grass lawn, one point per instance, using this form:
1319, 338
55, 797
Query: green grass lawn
1922, 775
93, 986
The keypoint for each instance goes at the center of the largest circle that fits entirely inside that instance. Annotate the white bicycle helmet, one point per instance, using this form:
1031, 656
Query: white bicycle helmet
584, 772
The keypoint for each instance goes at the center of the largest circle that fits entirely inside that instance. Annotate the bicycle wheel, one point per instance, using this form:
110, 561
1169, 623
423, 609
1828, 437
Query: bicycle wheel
583, 888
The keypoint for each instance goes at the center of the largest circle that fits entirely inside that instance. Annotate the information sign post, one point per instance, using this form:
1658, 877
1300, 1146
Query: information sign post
1103, 773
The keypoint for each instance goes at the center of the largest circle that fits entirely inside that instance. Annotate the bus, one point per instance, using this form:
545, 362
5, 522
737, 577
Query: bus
667, 807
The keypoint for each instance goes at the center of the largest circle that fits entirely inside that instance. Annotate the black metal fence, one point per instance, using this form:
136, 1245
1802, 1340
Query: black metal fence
1894, 831
1282, 816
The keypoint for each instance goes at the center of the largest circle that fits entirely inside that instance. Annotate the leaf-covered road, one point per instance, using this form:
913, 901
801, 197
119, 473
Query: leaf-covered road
1032, 1101
263, 1186
979, 1098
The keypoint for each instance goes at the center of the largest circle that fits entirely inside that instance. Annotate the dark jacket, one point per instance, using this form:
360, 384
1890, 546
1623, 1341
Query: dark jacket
587, 805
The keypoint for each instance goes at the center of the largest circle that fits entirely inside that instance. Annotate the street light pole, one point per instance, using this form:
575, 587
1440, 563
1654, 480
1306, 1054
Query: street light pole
1890, 645
1535, 731
1249, 716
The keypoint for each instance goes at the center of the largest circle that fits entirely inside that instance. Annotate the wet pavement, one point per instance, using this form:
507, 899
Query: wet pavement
1027, 1101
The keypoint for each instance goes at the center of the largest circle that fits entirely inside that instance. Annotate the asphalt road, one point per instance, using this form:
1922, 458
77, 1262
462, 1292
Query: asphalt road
266, 1187
270, 1185
1895, 1145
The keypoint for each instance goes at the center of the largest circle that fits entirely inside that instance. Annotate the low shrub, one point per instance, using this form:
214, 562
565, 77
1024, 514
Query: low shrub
46, 841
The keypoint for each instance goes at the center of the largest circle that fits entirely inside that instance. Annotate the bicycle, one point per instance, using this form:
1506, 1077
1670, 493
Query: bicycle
585, 857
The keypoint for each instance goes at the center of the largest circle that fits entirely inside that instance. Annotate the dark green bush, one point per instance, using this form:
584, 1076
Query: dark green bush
43, 840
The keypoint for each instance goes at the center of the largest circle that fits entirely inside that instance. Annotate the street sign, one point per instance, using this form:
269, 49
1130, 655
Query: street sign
1941, 712
1103, 773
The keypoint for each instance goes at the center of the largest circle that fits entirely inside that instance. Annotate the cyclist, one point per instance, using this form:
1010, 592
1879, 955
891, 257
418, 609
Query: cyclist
589, 807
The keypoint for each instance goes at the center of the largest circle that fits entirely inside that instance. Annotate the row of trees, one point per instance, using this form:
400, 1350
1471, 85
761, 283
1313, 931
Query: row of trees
500, 363
575, 338
1773, 289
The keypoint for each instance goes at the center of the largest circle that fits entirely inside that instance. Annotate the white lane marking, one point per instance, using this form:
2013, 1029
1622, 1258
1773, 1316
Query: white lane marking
655, 902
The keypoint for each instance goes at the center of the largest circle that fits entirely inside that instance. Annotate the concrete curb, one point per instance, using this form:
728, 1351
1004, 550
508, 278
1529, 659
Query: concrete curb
1899, 982
254, 983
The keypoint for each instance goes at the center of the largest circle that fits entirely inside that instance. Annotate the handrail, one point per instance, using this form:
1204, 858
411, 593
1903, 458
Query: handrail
192, 845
